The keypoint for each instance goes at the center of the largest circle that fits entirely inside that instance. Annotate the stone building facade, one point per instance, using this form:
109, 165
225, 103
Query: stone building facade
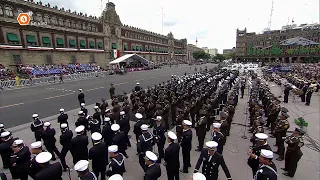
272, 46
57, 35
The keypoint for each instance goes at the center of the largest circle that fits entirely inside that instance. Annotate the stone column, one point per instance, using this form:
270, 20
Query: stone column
290, 60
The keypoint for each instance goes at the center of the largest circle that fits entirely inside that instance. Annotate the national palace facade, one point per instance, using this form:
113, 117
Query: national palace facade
57, 35
290, 44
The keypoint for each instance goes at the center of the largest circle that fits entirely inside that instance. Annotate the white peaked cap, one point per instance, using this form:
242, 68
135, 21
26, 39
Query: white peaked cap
36, 145
187, 122
80, 112
211, 144
61, 110
216, 125
5, 134
107, 110
96, 107
64, 125
261, 136
138, 115
158, 118
137, 83
82, 104
115, 127
151, 156
46, 124
116, 177
35, 115
172, 135
144, 127
266, 153
106, 119
80, 89
43, 157
17, 142
198, 176
1, 125
79, 129
81, 165
96, 136
113, 148
122, 113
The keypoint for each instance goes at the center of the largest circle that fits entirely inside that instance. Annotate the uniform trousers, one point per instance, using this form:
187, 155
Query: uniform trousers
51, 148
291, 163
63, 154
173, 174
186, 158
101, 171
142, 162
160, 150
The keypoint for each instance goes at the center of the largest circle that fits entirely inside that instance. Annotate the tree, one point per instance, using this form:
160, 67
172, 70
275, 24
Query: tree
200, 55
220, 57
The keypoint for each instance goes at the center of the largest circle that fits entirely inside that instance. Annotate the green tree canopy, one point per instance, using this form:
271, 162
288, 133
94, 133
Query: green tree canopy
220, 57
200, 55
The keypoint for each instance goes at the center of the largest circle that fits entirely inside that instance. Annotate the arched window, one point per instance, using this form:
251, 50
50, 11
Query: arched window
54, 21
79, 25
93, 28
8, 11
73, 24
61, 22
89, 27
1, 11
84, 27
46, 19
68, 23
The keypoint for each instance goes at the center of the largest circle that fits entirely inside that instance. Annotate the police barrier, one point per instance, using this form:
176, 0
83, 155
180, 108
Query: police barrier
51, 79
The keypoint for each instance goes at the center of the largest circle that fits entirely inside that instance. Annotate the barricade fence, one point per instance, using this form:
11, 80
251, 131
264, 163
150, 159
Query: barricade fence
51, 79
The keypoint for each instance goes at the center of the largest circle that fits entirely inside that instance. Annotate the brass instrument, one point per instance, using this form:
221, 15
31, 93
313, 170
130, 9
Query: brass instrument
202, 121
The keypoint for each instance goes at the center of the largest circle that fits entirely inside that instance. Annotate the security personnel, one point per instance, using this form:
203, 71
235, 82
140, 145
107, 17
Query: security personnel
281, 132
159, 137
5, 148
293, 153
116, 165
267, 169
254, 153
153, 170
79, 145
97, 115
65, 141
99, 156
36, 148
107, 132
186, 143
145, 143
37, 127
218, 137
125, 126
63, 118
119, 139
48, 171
81, 97
211, 161
171, 157
84, 109
82, 168
48, 136
21, 159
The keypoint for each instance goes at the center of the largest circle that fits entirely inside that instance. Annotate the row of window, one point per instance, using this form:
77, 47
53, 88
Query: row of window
46, 41
133, 35
147, 48
50, 20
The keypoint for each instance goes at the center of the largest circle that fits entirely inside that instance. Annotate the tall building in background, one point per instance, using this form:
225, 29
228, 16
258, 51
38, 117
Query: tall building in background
290, 44
229, 51
211, 51
192, 48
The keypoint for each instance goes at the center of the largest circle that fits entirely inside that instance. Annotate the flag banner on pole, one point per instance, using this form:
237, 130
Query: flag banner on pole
197, 40
115, 54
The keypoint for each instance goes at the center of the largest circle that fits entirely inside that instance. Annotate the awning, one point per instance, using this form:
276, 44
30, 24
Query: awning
82, 43
131, 56
13, 37
31, 39
46, 40
298, 41
100, 45
72, 42
60, 41
91, 44
114, 46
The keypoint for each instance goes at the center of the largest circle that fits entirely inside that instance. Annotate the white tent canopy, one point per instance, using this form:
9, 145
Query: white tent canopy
130, 58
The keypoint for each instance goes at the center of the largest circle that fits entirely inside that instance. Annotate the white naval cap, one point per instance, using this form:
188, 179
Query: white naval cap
1, 125
35, 115
116, 177
17, 142
5, 134
96, 107
216, 125
158, 118
211, 144
137, 83
36, 145
187, 122
64, 125
80, 89
122, 113
81, 165
266, 153
82, 104
107, 110
106, 119
172, 135
43, 157
115, 127
61, 110
79, 129
96, 136
198, 176
138, 115
151, 156
113, 148
144, 127
261, 136
46, 124
80, 112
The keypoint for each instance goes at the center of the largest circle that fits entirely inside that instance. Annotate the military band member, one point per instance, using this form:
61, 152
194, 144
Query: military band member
97, 115
99, 156
171, 157
308, 95
36, 148
107, 132
65, 141
145, 143
211, 160
267, 169
281, 132
49, 140
224, 124
293, 153
119, 139
125, 126
160, 138
254, 153
200, 127
79, 145
186, 143
63, 117
82, 121
153, 170
48, 171
116, 165
21, 158
218, 137
94, 124
82, 168
37, 127
84, 109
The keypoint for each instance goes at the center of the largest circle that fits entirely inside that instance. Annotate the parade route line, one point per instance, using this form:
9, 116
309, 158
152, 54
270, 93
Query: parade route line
59, 96
94, 89
11, 105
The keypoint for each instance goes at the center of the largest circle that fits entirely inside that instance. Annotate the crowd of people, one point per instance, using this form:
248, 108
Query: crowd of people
205, 101
5, 73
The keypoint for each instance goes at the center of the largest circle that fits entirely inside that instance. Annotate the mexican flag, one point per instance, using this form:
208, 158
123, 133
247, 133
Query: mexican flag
116, 53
